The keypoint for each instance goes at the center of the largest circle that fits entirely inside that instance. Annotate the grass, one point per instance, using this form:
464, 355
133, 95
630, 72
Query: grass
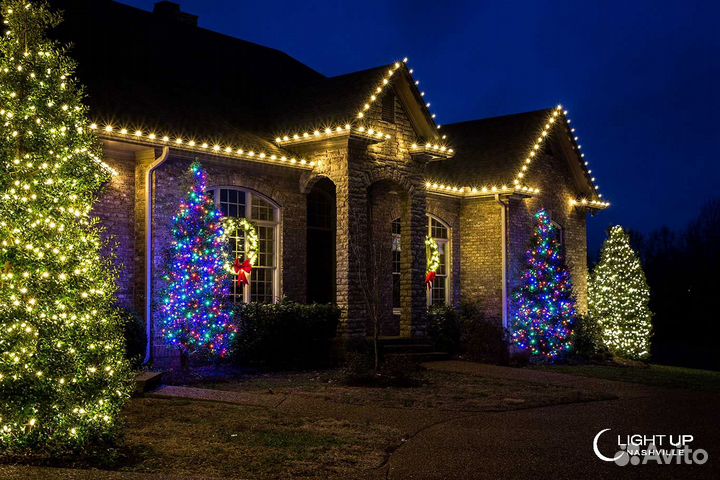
182, 438
654, 375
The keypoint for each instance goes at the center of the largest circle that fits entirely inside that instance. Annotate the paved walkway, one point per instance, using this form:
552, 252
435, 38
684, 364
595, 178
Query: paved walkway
546, 442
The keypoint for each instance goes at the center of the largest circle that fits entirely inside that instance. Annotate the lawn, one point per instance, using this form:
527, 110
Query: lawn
191, 439
654, 375
439, 391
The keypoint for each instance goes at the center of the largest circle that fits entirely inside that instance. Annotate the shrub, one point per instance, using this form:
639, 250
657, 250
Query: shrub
444, 328
588, 343
481, 340
135, 336
286, 334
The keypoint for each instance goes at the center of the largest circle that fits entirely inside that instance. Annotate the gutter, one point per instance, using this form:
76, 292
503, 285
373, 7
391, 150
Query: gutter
503, 246
148, 250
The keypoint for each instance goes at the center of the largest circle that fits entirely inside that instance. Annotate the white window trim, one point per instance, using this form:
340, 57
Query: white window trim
277, 224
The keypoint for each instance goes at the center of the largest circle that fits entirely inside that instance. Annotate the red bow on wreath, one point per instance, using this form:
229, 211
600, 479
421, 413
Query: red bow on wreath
243, 271
429, 279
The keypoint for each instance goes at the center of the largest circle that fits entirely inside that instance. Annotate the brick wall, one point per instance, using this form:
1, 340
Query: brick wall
481, 259
115, 208
553, 177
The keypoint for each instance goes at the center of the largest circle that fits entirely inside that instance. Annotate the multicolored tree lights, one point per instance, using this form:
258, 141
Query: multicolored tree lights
543, 312
619, 297
63, 375
195, 313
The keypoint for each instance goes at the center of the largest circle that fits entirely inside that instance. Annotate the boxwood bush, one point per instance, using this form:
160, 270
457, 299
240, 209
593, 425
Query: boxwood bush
286, 335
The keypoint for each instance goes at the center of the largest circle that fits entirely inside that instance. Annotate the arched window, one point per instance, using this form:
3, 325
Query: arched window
265, 216
440, 232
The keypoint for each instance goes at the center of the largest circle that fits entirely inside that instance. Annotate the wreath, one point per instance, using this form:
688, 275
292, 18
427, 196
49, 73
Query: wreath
242, 270
433, 260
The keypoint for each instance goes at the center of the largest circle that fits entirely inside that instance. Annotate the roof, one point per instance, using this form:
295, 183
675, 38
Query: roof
489, 151
158, 73
331, 101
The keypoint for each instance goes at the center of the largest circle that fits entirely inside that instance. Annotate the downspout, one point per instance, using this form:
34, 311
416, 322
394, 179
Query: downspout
148, 250
503, 247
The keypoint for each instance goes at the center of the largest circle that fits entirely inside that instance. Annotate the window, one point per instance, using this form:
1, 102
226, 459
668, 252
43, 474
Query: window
396, 228
440, 232
264, 215
388, 108
560, 234
438, 295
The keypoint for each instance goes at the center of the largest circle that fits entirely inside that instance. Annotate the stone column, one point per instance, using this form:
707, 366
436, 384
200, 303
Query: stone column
413, 296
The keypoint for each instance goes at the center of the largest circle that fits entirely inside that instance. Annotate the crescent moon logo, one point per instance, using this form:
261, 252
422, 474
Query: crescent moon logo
597, 451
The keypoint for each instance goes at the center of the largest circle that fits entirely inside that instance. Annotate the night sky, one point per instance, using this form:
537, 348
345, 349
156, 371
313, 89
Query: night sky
639, 78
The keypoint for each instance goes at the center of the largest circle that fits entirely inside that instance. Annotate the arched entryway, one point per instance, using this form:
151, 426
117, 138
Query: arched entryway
321, 229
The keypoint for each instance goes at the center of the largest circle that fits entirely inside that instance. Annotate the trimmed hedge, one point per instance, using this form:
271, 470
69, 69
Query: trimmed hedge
286, 334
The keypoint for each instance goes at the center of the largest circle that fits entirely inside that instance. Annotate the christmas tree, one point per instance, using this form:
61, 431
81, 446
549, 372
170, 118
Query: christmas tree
63, 375
543, 304
195, 311
619, 296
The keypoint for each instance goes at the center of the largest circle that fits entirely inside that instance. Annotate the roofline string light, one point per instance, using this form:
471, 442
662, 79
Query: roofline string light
108, 131
480, 191
328, 132
557, 112
590, 203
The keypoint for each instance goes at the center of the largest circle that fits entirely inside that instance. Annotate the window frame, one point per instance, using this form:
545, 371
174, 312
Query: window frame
447, 245
276, 224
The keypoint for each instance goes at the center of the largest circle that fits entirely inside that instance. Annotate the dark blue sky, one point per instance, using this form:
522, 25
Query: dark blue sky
640, 78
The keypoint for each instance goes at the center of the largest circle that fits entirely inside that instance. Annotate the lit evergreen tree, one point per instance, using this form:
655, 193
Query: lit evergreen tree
63, 375
543, 312
619, 298
195, 310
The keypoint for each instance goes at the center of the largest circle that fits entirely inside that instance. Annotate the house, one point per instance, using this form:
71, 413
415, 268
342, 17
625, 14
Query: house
343, 177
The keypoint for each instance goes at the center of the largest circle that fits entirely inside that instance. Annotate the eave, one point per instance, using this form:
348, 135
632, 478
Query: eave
252, 154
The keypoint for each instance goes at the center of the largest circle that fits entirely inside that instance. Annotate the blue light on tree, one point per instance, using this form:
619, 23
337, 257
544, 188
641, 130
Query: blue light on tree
195, 310
543, 305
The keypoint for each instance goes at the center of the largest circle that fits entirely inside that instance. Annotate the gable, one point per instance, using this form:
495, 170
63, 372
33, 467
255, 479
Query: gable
347, 102
505, 153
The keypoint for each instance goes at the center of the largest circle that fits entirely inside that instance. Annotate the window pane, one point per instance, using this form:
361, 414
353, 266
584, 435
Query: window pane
437, 229
232, 203
262, 210
396, 227
442, 268
396, 290
438, 291
261, 285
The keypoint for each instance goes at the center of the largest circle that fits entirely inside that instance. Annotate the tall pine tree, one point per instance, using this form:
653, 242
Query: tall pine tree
543, 306
195, 310
619, 298
63, 375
